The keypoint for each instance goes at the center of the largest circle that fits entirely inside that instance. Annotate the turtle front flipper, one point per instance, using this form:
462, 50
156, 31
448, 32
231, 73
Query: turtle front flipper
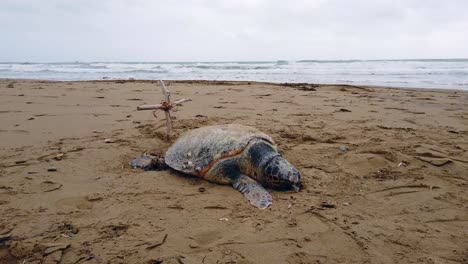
253, 191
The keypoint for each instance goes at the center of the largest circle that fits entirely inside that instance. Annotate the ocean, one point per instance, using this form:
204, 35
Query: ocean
427, 73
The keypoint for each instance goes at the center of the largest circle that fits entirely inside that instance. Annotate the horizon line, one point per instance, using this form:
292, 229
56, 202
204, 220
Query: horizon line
230, 61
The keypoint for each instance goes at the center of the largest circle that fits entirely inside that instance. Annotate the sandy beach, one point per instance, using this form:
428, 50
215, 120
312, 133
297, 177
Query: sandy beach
385, 175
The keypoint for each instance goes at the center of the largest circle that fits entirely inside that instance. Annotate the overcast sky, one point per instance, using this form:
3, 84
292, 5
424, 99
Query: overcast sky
226, 30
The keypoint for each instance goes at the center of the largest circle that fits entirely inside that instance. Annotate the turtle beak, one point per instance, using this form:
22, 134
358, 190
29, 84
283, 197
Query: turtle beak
296, 180
297, 187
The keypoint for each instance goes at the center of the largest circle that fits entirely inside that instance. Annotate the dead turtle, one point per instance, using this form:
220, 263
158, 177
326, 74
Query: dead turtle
232, 154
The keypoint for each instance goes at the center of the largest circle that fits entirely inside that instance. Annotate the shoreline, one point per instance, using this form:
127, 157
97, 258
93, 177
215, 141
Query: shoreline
397, 191
235, 82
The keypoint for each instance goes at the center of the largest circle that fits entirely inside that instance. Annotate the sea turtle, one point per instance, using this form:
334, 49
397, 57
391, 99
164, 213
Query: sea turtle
232, 154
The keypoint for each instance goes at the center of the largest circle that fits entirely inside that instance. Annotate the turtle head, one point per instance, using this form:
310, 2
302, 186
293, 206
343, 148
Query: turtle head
279, 173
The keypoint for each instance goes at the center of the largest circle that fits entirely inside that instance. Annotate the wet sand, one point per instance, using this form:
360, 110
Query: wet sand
385, 173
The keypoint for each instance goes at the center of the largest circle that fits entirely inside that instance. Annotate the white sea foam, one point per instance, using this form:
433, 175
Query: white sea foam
449, 73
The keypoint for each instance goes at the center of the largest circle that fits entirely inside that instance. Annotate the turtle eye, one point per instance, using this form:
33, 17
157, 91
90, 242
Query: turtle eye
275, 178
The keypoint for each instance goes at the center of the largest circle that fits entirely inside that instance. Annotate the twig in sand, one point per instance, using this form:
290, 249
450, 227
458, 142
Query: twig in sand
399, 193
158, 243
409, 186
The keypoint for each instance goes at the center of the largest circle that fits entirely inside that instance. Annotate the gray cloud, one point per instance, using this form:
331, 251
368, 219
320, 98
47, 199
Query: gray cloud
164, 30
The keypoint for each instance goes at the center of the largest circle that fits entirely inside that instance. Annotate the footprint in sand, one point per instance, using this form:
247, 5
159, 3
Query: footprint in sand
308, 225
72, 203
48, 186
235, 90
206, 238
362, 164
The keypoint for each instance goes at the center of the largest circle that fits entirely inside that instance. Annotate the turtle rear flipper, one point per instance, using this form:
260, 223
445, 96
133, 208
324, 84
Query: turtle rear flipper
253, 191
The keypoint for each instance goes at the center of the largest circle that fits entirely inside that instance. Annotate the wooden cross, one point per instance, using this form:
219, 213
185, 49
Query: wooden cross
165, 105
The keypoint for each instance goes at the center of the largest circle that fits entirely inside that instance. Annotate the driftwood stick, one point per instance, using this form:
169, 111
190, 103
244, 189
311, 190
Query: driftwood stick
167, 96
149, 107
160, 106
166, 105
183, 100
169, 124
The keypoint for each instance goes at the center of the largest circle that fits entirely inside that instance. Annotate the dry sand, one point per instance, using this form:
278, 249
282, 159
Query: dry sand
398, 194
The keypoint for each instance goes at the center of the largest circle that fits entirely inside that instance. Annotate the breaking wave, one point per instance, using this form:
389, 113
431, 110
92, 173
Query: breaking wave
424, 73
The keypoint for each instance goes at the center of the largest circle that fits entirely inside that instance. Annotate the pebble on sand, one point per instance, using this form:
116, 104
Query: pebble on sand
59, 156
